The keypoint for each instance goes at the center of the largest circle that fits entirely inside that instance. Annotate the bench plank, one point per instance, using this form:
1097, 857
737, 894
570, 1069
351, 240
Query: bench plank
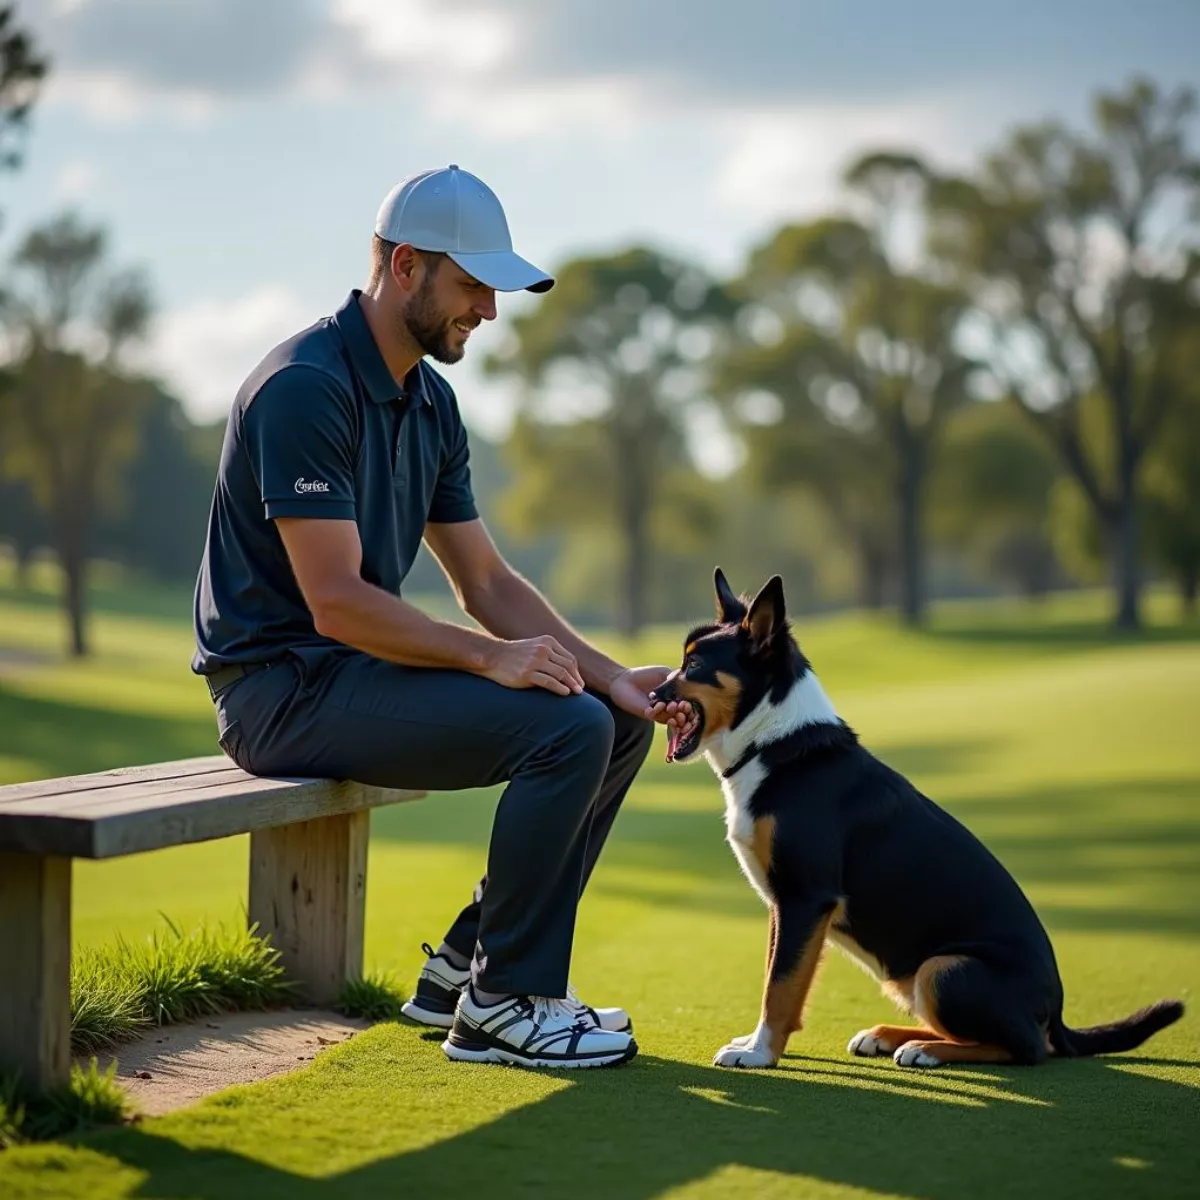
209, 764
127, 817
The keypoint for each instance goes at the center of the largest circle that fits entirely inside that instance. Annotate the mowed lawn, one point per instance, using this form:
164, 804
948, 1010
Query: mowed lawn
1076, 758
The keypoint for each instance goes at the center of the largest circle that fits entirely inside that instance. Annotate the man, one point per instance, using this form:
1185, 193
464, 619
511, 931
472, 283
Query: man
344, 449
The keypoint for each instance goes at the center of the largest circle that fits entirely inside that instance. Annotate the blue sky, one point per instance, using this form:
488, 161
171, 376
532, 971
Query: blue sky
239, 149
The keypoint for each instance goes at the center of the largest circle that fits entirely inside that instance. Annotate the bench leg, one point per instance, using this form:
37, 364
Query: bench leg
308, 891
35, 968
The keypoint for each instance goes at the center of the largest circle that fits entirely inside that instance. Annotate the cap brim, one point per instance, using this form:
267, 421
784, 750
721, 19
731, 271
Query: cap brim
504, 271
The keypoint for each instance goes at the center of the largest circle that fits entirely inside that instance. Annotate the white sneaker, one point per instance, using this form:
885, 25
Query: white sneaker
614, 1020
532, 1031
438, 987
441, 982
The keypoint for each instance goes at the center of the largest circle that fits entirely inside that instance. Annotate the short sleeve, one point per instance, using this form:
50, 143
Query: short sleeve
299, 431
453, 500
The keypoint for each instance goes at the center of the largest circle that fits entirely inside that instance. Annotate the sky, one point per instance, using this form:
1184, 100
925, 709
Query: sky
238, 150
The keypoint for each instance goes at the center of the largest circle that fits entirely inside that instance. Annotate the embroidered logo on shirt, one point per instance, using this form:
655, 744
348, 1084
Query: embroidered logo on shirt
311, 485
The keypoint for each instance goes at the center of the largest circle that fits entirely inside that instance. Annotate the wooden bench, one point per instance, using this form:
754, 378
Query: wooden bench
308, 869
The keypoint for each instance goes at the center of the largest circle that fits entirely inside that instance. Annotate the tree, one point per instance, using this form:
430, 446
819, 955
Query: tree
1168, 503
991, 495
612, 366
860, 359
1171, 512
21, 73
1079, 253
71, 414
155, 520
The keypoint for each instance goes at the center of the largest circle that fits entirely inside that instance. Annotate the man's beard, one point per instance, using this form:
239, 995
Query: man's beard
429, 328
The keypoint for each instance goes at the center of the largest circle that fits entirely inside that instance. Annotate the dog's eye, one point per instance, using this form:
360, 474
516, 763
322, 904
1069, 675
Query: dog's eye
691, 663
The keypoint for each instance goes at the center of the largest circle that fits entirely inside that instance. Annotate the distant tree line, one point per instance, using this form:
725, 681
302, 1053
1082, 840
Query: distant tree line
951, 384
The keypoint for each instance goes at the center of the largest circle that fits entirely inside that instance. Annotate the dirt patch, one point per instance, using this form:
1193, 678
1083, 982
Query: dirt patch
180, 1064
14, 661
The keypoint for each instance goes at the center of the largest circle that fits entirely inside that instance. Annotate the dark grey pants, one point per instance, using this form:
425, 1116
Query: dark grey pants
568, 762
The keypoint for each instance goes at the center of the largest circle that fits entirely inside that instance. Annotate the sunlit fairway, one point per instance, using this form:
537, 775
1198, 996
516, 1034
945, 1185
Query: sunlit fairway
1075, 757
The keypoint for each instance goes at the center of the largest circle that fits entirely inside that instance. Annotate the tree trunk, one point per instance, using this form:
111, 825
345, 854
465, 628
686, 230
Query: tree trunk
1126, 576
872, 575
75, 569
635, 462
637, 559
72, 553
1189, 584
912, 544
24, 556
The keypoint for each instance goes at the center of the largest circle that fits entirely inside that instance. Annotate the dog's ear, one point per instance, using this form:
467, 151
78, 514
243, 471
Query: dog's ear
768, 613
730, 609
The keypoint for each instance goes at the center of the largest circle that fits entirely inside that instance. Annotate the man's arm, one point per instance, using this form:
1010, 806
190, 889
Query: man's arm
506, 604
326, 558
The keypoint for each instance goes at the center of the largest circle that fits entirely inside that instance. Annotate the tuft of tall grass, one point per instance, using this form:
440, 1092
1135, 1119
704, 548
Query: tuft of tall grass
89, 1098
173, 976
374, 997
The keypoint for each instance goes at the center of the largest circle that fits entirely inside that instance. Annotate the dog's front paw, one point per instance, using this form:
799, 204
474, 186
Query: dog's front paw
916, 1054
743, 1052
867, 1044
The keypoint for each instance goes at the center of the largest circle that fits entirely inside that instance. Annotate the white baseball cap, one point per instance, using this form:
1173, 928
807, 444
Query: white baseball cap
452, 211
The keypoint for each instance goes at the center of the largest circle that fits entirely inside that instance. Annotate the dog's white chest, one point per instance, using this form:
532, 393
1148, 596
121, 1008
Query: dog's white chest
739, 824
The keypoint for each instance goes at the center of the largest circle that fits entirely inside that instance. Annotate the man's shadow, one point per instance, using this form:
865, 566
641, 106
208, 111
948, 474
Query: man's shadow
1087, 1128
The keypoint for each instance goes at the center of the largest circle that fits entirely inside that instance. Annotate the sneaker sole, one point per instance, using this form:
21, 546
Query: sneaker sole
480, 1052
427, 1016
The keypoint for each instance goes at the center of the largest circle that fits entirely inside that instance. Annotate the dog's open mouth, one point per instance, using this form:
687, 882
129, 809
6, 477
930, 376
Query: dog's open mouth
681, 743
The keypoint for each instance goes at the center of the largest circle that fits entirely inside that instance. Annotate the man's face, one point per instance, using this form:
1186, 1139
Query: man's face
447, 306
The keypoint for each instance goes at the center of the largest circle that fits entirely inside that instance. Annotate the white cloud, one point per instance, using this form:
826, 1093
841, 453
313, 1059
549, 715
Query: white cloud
787, 162
404, 31
76, 179
205, 350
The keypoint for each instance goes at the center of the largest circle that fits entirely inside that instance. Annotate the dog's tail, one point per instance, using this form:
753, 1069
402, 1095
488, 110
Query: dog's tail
1120, 1035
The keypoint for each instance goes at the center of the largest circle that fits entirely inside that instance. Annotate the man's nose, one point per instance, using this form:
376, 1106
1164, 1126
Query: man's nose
485, 307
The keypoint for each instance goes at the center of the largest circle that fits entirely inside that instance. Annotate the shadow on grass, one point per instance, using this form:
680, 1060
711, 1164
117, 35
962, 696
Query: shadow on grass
1069, 1129
60, 738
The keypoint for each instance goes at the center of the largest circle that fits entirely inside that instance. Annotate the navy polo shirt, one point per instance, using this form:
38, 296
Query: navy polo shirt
322, 429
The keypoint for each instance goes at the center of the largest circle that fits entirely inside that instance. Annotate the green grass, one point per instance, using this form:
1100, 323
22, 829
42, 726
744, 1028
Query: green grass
117, 991
90, 1099
1073, 755
374, 997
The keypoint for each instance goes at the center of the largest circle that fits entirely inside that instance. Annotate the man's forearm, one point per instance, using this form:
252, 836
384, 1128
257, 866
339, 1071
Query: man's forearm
375, 621
511, 607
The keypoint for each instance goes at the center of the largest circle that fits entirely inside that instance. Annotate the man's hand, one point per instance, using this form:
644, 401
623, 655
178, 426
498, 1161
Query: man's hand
631, 691
535, 662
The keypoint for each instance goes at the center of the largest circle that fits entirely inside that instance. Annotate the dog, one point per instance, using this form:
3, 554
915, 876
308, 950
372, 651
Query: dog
844, 850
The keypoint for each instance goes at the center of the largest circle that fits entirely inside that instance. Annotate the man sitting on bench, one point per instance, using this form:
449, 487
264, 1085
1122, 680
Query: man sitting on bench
344, 449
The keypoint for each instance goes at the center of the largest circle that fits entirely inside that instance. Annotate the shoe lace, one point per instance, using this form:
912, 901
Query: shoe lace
555, 1009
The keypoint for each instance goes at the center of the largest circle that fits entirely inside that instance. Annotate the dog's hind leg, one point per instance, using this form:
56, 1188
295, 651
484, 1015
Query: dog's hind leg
976, 1015
887, 1039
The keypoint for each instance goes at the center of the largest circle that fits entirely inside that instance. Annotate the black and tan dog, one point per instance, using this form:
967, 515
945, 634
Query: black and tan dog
843, 849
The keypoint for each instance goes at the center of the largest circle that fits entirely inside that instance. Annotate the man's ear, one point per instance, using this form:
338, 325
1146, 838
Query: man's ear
730, 609
406, 266
768, 613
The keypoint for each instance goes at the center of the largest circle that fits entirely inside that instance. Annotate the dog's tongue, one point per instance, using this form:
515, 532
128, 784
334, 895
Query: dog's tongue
673, 734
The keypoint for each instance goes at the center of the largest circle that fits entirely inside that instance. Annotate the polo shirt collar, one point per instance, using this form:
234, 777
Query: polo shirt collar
368, 362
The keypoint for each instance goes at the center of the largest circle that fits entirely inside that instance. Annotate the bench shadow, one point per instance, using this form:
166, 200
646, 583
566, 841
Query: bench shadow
1084, 1128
